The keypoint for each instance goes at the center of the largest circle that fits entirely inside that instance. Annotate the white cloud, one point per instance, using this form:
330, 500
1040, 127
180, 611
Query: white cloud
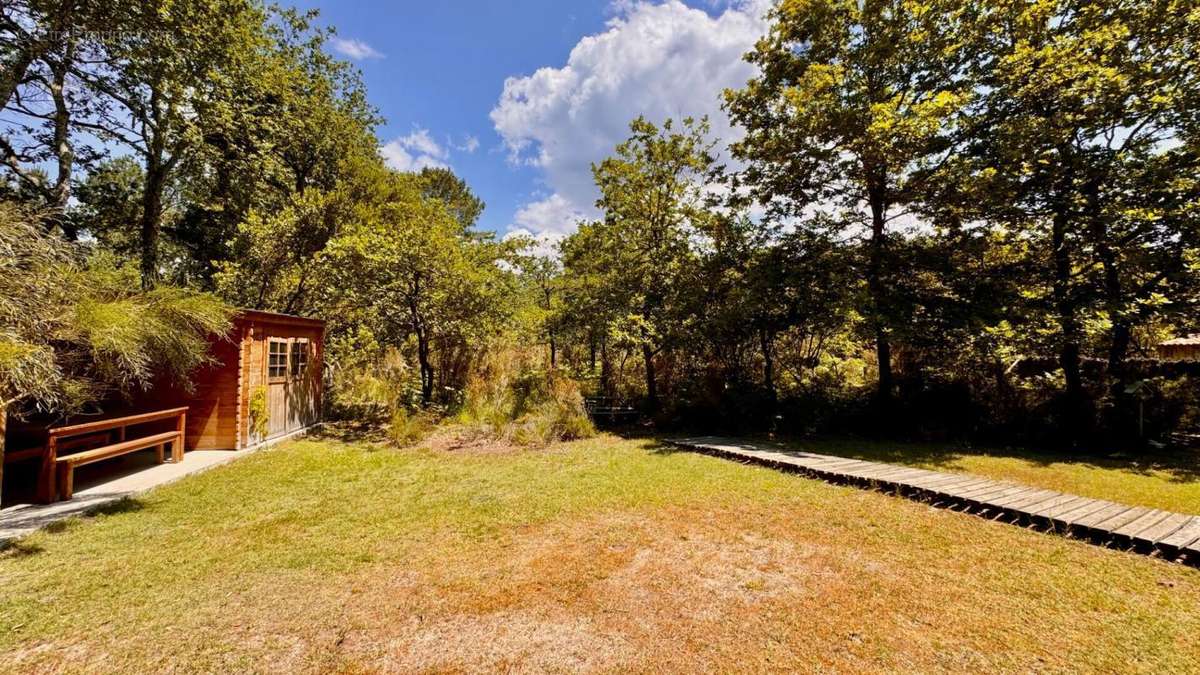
546, 221
658, 60
414, 152
552, 215
545, 245
356, 50
469, 145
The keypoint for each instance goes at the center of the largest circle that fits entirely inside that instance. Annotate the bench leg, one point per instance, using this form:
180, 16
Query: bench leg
46, 487
177, 448
66, 480
158, 451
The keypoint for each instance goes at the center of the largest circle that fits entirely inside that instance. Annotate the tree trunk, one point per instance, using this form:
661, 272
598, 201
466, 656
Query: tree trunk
3, 431
157, 168
1118, 348
1068, 320
651, 379
60, 195
14, 73
426, 368
553, 351
875, 284
767, 344
1114, 292
34, 49
151, 223
605, 369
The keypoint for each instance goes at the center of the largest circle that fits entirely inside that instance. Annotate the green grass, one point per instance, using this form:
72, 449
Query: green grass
604, 554
1169, 481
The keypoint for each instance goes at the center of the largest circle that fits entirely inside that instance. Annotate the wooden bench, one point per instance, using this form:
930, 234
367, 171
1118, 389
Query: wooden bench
66, 464
57, 476
607, 409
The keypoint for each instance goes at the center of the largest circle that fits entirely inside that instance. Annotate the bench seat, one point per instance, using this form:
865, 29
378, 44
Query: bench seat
67, 463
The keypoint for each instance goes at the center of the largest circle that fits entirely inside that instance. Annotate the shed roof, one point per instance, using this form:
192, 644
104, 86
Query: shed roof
278, 317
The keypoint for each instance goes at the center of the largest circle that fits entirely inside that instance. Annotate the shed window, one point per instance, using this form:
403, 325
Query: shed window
299, 358
277, 359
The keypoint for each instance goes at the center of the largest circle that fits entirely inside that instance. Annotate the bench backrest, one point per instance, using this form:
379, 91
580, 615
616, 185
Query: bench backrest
115, 423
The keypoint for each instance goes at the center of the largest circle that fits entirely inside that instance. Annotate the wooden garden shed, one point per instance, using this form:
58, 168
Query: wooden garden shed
1180, 349
265, 383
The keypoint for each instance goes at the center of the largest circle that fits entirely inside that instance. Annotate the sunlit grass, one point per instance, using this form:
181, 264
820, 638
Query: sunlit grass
599, 554
1169, 481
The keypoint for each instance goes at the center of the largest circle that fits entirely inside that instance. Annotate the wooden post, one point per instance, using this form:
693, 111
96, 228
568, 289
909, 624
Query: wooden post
46, 488
177, 445
65, 480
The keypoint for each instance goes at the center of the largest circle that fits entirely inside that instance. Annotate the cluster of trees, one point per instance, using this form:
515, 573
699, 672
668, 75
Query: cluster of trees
392, 262
156, 129
922, 194
216, 146
163, 163
953, 184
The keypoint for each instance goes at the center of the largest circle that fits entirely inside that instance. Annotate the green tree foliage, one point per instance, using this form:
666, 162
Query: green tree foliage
386, 261
454, 193
651, 193
73, 329
227, 105
1082, 151
852, 98
407, 262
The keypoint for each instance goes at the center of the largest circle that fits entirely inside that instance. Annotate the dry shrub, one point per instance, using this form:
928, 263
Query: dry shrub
410, 428
507, 397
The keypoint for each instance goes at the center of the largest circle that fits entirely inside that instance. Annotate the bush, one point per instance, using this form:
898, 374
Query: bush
507, 399
409, 428
372, 388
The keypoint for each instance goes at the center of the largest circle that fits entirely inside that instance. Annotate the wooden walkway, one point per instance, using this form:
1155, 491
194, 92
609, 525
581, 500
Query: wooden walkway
1175, 536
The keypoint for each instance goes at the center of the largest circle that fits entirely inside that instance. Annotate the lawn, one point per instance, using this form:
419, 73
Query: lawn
607, 554
1162, 480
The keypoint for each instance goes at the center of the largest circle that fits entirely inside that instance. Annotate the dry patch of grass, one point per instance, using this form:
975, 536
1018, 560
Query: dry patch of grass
462, 439
592, 556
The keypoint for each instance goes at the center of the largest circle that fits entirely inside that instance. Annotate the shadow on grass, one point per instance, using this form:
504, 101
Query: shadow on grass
124, 505
58, 523
352, 431
657, 446
19, 548
1181, 466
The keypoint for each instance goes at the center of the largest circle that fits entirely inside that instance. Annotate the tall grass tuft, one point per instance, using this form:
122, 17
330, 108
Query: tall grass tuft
409, 428
509, 398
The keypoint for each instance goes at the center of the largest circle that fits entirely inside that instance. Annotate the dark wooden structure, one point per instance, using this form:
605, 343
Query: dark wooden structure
1180, 349
607, 411
57, 476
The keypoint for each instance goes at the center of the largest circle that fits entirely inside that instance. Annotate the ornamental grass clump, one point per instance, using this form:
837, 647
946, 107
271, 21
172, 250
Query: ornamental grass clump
509, 400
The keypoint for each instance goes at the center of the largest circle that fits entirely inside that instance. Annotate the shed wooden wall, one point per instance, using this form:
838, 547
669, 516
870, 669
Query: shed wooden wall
218, 407
257, 328
212, 404
1185, 352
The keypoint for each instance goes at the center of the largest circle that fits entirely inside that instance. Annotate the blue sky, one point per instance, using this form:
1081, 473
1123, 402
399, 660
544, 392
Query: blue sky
520, 97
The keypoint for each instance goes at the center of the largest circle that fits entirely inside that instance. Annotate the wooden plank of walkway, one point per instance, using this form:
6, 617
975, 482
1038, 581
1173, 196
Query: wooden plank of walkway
1175, 535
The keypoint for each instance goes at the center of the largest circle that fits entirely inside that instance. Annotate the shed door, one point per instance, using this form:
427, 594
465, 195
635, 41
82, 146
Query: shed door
300, 396
277, 387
